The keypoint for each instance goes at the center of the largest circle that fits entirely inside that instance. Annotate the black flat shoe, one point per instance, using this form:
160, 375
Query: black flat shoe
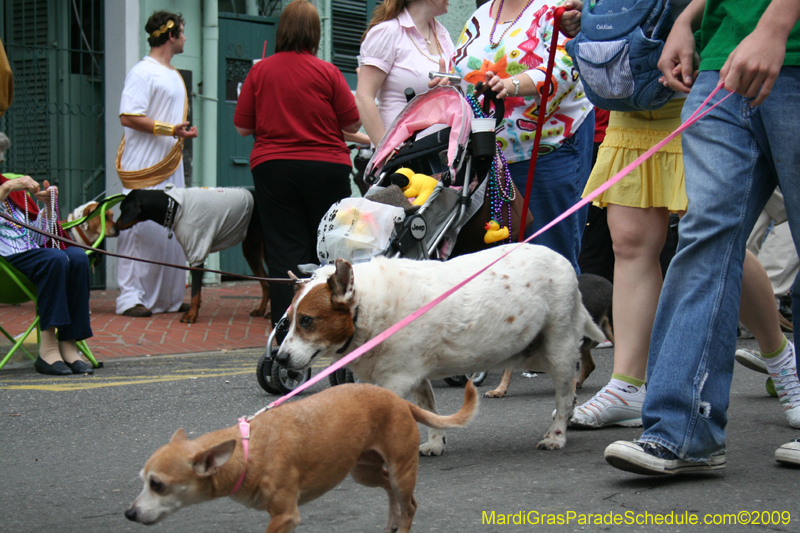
79, 367
59, 368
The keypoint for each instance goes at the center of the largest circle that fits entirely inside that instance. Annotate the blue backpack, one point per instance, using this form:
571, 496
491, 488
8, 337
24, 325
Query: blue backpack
617, 52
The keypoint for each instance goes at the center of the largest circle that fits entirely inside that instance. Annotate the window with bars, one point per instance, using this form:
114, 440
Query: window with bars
349, 20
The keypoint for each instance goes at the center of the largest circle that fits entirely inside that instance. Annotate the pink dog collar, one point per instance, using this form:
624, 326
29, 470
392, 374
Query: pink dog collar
244, 429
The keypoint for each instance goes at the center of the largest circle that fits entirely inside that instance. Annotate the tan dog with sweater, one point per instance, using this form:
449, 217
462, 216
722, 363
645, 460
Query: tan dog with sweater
298, 452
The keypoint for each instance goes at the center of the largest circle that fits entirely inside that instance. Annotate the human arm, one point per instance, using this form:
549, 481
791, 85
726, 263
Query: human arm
754, 65
370, 79
22, 183
244, 132
358, 138
571, 19
679, 59
27, 183
147, 125
504, 87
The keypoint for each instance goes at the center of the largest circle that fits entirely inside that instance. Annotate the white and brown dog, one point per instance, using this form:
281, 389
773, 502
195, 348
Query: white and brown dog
296, 453
526, 308
88, 232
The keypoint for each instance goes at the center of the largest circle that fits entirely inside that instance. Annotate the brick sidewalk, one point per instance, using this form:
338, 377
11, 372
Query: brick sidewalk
224, 324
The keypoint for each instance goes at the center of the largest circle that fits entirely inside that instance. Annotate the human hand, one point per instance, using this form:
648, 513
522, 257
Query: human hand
45, 193
753, 66
184, 132
679, 59
26, 183
439, 81
571, 19
497, 84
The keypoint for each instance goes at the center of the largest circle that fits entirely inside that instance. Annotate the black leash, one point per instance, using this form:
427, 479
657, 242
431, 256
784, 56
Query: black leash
120, 256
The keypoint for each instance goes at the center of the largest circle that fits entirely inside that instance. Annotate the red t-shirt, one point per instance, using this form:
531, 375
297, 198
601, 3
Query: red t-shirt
600, 124
297, 104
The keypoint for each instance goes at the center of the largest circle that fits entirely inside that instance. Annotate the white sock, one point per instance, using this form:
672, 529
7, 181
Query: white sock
786, 357
625, 387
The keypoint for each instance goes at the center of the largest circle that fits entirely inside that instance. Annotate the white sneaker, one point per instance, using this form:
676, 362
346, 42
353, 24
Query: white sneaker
789, 453
752, 360
788, 388
610, 407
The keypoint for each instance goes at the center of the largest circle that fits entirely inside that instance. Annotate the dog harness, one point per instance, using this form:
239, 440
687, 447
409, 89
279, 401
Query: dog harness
244, 429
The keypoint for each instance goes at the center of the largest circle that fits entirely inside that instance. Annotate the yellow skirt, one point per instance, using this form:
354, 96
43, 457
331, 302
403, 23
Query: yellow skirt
659, 181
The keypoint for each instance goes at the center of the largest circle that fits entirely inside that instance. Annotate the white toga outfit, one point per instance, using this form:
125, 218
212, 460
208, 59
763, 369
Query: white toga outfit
210, 220
158, 92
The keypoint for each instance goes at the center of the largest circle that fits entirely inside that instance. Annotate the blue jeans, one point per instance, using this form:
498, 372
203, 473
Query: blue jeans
558, 182
62, 279
734, 157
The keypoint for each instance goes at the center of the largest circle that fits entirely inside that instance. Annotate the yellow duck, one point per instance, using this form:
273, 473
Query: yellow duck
494, 232
419, 185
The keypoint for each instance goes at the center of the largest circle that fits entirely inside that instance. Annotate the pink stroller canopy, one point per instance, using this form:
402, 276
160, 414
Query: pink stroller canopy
440, 105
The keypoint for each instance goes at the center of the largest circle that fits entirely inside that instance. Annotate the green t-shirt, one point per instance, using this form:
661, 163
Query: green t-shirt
727, 22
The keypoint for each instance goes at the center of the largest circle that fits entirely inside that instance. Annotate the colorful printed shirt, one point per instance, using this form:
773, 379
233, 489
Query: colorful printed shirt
520, 47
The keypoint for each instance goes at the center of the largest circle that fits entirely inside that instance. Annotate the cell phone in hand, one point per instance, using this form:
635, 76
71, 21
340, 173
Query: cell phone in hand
452, 77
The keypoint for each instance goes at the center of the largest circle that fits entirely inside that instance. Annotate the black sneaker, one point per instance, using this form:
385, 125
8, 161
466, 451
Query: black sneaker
651, 459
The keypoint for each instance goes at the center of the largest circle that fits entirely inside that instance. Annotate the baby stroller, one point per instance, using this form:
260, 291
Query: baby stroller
433, 136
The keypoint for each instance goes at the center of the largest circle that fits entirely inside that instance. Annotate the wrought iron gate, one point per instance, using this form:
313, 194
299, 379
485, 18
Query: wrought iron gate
56, 121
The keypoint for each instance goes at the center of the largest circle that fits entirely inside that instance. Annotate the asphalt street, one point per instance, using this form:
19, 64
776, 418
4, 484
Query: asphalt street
72, 449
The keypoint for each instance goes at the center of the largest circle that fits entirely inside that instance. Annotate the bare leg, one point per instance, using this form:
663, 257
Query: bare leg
758, 310
639, 236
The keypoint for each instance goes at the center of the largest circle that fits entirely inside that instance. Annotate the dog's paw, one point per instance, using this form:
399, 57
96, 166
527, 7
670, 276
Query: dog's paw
494, 394
189, 317
552, 443
431, 449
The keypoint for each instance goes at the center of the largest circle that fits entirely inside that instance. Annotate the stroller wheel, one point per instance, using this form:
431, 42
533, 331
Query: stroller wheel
461, 381
287, 380
341, 376
264, 372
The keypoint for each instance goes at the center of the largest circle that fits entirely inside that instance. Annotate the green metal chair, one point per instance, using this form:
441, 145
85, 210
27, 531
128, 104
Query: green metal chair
16, 288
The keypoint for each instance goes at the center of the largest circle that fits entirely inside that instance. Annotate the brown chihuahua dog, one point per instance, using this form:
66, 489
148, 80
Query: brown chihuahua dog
297, 453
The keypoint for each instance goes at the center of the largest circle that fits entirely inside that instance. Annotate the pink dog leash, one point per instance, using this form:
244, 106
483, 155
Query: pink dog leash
244, 429
697, 115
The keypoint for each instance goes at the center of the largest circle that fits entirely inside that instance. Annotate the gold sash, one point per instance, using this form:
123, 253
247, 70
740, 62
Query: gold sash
148, 177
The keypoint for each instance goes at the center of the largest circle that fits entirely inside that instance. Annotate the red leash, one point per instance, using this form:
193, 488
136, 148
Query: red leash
546, 89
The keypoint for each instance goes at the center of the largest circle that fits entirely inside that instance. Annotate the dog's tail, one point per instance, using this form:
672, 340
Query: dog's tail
591, 330
459, 419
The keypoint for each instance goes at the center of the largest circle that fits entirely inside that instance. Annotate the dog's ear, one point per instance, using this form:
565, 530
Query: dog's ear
130, 209
178, 436
297, 285
89, 208
208, 462
341, 284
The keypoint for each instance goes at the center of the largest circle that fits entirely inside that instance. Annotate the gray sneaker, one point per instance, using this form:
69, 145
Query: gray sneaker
651, 459
751, 359
789, 453
610, 407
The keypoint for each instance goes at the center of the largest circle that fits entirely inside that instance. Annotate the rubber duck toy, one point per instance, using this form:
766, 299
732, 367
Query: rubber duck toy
494, 232
414, 185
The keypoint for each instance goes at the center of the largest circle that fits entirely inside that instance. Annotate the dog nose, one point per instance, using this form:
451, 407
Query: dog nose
130, 514
282, 358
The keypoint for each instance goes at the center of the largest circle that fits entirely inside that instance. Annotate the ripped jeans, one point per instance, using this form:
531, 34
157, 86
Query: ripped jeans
734, 157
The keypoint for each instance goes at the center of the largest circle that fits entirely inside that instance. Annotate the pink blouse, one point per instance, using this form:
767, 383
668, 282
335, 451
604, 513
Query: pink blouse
398, 49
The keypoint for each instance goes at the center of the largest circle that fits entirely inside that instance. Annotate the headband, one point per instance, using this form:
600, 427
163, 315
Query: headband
163, 29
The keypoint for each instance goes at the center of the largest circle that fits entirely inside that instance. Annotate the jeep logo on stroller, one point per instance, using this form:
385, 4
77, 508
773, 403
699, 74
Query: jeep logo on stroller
418, 228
